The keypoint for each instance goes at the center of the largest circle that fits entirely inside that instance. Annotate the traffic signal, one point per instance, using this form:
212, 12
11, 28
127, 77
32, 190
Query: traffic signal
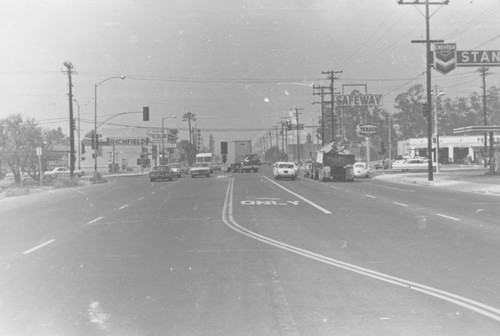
223, 147
289, 125
425, 109
93, 141
434, 140
83, 148
145, 113
382, 148
73, 125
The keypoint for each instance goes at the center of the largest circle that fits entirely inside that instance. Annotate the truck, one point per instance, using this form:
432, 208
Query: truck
332, 163
240, 158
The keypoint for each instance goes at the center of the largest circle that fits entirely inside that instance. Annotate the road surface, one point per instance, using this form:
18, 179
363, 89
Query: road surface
244, 254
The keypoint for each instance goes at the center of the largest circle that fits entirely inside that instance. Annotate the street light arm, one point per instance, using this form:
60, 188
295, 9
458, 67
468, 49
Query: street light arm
114, 116
109, 78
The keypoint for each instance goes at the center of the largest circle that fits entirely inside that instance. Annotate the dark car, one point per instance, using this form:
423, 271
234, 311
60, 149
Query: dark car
160, 173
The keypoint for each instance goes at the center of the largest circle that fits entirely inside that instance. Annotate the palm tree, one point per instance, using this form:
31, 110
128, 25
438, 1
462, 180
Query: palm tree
188, 116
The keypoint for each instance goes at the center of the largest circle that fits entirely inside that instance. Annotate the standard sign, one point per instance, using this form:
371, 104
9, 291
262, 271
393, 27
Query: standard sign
367, 129
478, 58
359, 100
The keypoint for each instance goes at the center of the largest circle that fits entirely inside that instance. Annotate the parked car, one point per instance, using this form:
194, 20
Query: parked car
360, 170
412, 164
285, 169
176, 169
160, 173
200, 169
61, 172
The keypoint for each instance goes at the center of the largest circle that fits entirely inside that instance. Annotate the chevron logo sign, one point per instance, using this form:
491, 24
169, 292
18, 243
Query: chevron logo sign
445, 57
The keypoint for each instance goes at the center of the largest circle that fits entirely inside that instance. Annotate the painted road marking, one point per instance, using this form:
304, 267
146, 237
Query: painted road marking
268, 202
400, 204
123, 206
140, 198
95, 220
298, 196
476, 306
39, 246
449, 217
371, 196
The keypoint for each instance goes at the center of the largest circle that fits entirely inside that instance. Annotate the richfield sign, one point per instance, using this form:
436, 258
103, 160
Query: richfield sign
447, 57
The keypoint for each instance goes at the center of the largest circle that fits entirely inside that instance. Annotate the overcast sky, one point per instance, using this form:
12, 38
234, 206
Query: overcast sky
235, 63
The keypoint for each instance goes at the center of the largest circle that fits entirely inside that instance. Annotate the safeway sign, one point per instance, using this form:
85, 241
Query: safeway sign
359, 100
367, 129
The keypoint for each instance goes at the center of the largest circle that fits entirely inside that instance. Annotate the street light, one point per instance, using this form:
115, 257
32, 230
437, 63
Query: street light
163, 137
441, 93
78, 133
95, 120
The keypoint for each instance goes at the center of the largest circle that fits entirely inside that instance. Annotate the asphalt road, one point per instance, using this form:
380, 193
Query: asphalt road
244, 254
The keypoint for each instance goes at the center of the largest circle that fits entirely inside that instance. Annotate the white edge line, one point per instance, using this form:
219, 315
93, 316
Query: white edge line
95, 220
302, 198
39, 246
449, 217
478, 307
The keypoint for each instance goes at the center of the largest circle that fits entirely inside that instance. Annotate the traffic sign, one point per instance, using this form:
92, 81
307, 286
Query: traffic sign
367, 129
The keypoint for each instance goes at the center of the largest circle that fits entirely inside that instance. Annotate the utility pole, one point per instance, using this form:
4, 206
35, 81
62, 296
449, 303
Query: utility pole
296, 110
331, 76
321, 93
484, 73
428, 55
69, 72
277, 144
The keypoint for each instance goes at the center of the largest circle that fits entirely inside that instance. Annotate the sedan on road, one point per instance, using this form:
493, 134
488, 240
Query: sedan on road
176, 169
160, 173
285, 169
200, 169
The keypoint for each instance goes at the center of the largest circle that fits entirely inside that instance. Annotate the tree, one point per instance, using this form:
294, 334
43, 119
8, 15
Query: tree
189, 116
18, 142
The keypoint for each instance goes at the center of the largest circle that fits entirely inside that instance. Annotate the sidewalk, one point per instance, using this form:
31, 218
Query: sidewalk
466, 179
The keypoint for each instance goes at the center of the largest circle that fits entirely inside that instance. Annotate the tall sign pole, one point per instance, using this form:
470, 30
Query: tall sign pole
428, 41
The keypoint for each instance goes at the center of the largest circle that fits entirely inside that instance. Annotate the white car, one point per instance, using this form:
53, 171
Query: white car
413, 164
200, 169
285, 169
360, 170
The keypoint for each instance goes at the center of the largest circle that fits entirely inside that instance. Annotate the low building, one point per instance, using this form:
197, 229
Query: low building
462, 149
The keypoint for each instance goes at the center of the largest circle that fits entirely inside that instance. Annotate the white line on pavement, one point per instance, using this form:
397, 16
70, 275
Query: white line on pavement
400, 204
476, 306
371, 196
302, 198
140, 198
39, 246
95, 220
449, 217
123, 206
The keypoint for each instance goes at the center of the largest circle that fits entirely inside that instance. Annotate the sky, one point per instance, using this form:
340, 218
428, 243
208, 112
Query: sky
239, 65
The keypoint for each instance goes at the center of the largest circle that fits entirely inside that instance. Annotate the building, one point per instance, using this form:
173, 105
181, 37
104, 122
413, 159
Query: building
462, 149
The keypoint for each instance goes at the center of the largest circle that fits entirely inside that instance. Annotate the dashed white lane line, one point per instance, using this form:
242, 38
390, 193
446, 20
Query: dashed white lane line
401, 204
123, 206
95, 220
140, 198
449, 217
39, 246
371, 196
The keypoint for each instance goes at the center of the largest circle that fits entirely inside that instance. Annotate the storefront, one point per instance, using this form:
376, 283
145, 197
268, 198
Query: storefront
452, 149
